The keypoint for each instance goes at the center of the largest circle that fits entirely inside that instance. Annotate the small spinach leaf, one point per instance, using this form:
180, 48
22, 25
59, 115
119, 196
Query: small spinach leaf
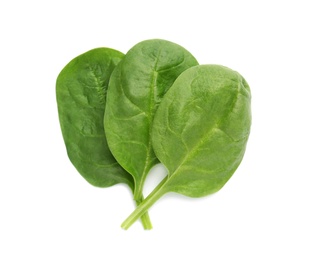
200, 132
81, 95
136, 88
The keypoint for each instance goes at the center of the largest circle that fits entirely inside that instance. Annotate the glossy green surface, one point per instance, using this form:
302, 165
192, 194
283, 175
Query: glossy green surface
201, 129
81, 98
136, 88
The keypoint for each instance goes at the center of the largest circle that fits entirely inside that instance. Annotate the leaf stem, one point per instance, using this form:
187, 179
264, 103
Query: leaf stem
138, 197
145, 218
146, 221
140, 211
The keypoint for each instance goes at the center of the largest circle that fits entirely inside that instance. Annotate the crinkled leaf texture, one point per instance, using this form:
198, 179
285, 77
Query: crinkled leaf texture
136, 88
81, 97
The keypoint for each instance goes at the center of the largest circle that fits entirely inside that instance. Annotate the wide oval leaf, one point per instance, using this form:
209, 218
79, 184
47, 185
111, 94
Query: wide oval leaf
201, 129
81, 97
137, 87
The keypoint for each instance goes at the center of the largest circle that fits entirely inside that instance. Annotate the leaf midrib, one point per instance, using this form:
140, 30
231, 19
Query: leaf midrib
150, 117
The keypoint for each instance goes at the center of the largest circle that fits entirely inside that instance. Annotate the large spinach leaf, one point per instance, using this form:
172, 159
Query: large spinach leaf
81, 97
136, 88
200, 132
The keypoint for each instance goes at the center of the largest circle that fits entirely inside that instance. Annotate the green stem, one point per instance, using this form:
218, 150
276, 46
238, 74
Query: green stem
145, 218
138, 197
158, 192
146, 221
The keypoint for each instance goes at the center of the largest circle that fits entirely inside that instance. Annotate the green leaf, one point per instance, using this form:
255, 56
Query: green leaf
81, 97
200, 132
136, 88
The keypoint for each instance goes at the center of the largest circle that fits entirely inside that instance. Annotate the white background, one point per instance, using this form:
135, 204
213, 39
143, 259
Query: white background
48, 211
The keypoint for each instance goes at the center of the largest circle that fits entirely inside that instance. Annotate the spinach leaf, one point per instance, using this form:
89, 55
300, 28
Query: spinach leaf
81, 97
200, 132
136, 88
